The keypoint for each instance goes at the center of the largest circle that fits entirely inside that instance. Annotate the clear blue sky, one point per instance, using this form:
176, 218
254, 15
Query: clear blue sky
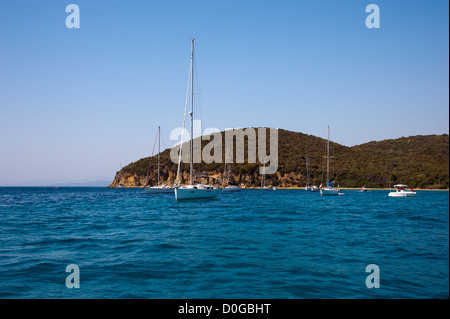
75, 103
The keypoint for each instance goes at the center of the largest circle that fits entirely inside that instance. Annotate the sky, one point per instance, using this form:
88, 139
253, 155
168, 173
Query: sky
77, 104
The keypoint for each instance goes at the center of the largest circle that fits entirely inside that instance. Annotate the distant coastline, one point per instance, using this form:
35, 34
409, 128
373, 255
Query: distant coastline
342, 188
96, 183
421, 162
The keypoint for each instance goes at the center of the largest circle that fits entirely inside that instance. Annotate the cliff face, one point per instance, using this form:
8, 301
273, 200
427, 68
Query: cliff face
133, 180
128, 180
419, 161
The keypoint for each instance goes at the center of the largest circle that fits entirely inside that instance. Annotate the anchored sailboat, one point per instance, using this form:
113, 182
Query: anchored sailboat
307, 187
228, 186
199, 190
119, 177
263, 182
231, 186
159, 189
329, 189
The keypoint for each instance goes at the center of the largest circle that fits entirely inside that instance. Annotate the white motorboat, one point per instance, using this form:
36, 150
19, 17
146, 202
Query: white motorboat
329, 190
192, 191
159, 189
402, 191
315, 188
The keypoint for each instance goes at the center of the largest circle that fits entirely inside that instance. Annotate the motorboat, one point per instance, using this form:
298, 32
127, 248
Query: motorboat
402, 191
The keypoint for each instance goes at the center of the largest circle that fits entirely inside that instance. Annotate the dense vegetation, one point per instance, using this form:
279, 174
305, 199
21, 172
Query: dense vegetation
419, 161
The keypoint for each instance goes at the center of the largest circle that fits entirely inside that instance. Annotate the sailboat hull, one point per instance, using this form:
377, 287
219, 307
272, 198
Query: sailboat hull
329, 192
231, 189
158, 190
192, 193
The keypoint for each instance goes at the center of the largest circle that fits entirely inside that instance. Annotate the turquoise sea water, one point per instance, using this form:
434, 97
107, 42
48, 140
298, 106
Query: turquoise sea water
251, 244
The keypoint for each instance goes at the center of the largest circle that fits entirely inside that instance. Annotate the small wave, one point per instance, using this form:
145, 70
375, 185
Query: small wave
168, 246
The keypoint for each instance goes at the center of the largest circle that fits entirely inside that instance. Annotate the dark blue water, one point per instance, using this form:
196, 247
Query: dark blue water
252, 244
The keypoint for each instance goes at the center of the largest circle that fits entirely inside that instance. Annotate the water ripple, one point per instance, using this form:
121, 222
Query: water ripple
283, 244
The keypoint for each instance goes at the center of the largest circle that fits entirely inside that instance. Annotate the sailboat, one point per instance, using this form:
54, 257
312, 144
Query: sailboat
263, 182
159, 189
231, 187
329, 190
120, 186
199, 190
307, 187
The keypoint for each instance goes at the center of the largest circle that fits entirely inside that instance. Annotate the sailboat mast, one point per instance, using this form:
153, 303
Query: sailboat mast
307, 172
159, 148
263, 178
192, 109
328, 156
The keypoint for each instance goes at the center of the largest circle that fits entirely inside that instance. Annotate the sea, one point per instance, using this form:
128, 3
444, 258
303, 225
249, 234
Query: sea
282, 244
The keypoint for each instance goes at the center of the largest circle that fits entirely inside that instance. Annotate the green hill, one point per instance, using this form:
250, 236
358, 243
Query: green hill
419, 161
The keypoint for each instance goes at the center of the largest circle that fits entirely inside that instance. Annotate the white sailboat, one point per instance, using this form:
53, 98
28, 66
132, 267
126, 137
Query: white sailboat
307, 187
192, 191
329, 190
231, 187
263, 182
120, 186
159, 189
